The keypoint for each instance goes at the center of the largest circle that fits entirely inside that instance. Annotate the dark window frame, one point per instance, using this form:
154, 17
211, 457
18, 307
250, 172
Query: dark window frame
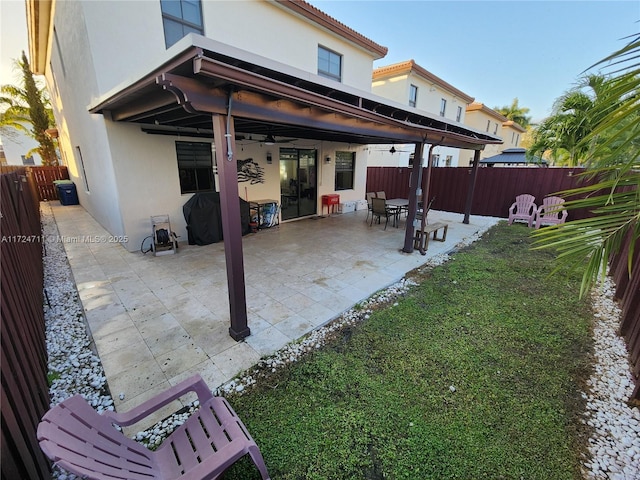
345, 172
413, 95
459, 114
186, 25
328, 73
193, 177
443, 107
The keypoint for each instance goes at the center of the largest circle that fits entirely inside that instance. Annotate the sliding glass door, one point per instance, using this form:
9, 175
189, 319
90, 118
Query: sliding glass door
298, 183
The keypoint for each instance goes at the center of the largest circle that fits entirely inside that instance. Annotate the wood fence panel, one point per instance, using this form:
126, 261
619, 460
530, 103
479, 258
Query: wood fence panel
496, 188
43, 178
23, 364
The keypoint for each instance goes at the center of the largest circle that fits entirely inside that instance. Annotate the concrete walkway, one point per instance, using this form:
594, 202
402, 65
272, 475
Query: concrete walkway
157, 320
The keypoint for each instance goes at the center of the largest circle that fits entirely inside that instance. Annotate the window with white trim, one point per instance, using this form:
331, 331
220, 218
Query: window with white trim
179, 18
443, 106
459, 114
329, 64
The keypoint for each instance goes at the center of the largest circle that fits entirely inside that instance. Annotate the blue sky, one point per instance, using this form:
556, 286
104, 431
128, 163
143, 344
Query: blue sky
491, 50
495, 51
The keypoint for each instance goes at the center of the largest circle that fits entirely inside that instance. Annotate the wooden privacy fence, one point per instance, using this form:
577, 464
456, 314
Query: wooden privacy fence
23, 362
495, 190
628, 292
43, 178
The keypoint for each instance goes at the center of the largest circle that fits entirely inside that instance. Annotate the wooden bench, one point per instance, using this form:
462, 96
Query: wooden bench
421, 239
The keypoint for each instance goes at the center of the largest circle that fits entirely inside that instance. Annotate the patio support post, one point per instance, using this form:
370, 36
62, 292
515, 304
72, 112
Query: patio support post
472, 187
231, 224
413, 198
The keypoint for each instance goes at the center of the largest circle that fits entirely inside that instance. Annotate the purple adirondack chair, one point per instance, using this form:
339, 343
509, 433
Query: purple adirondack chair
78, 439
523, 209
551, 212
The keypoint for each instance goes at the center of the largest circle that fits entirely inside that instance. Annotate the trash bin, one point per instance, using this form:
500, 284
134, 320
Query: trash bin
67, 193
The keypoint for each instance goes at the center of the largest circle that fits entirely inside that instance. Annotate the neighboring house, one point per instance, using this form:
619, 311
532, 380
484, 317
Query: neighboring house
485, 119
412, 85
513, 157
157, 100
17, 147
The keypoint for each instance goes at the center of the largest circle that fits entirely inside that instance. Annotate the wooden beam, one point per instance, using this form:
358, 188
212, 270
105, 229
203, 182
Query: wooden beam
231, 224
472, 187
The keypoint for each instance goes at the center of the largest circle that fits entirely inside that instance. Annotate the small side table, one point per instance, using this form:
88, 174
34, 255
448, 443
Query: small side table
330, 200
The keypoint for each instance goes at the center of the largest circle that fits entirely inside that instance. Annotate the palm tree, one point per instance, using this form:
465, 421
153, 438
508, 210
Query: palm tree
612, 157
562, 135
516, 113
28, 106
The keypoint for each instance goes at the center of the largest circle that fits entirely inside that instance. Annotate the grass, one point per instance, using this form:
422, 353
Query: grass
475, 373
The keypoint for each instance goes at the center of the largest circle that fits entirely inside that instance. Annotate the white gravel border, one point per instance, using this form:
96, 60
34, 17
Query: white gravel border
614, 446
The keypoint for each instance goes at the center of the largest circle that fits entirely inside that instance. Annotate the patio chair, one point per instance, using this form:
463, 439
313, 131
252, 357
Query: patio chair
523, 209
78, 439
379, 209
551, 212
370, 196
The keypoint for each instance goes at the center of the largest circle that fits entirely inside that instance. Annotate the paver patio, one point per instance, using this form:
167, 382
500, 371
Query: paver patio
157, 320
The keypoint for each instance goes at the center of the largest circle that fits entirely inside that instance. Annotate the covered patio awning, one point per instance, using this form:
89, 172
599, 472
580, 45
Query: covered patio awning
208, 89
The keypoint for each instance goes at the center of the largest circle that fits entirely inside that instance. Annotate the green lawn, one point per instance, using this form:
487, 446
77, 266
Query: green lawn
377, 402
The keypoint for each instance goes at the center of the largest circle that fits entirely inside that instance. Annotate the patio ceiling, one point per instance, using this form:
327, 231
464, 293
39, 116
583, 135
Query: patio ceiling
180, 95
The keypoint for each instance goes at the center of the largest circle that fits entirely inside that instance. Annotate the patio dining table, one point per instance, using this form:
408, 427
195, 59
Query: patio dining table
397, 206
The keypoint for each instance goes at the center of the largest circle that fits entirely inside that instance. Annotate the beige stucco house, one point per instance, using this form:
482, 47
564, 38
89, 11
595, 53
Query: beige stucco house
261, 99
483, 118
416, 87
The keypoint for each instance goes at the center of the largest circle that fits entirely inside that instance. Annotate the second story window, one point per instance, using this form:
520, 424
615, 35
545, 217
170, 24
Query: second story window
443, 107
413, 95
488, 125
459, 114
329, 64
495, 129
180, 17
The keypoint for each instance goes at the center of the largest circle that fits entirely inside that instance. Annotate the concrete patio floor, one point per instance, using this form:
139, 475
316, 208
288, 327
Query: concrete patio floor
158, 320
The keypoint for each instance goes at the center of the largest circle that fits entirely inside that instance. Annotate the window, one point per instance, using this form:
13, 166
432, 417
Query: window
448, 160
345, 170
488, 125
195, 167
459, 114
435, 159
443, 107
495, 129
180, 17
517, 139
84, 173
413, 95
329, 64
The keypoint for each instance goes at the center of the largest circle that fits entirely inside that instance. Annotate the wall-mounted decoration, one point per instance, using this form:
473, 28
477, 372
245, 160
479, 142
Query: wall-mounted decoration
250, 171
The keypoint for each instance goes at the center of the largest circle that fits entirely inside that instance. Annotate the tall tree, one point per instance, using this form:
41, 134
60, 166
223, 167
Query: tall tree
563, 135
613, 166
516, 113
29, 106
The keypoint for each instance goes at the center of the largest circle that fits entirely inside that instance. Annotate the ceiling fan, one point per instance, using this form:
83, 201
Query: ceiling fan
271, 140
392, 150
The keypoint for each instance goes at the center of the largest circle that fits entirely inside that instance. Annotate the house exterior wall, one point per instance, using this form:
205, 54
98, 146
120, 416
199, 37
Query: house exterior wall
84, 145
124, 176
485, 119
429, 96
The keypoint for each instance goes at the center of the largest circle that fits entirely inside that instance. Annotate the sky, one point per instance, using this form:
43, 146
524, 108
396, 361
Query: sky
493, 51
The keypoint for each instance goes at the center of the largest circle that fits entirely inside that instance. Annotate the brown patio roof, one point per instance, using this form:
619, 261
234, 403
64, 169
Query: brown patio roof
179, 96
